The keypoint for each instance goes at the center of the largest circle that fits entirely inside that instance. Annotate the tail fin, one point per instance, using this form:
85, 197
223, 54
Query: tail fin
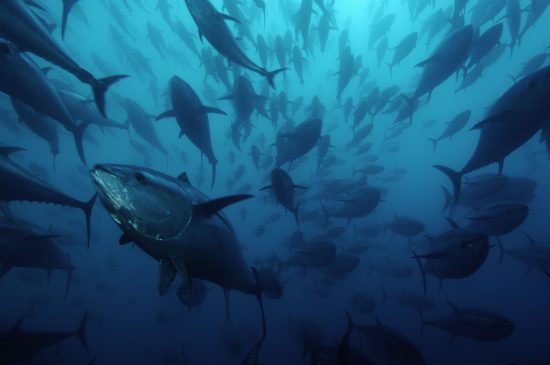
126, 126
455, 177
78, 135
501, 251
213, 174
296, 213
410, 106
390, 66
87, 209
434, 141
422, 272
270, 75
448, 198
100, 87
81, 332
422, 323
252, 355
69, 277
67, 6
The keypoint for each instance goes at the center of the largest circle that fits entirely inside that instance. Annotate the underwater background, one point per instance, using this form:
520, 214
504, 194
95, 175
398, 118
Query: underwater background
152, 41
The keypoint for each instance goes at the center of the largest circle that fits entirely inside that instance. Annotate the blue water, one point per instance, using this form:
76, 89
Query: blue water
118, 285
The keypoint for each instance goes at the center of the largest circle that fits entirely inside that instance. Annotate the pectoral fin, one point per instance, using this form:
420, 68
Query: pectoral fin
212, 207
166, 114
212, 110
124, 239
228, 17
167, 275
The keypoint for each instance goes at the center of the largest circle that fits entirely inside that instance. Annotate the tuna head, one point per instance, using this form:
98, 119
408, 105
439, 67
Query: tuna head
179, 89
199, 9
142, 202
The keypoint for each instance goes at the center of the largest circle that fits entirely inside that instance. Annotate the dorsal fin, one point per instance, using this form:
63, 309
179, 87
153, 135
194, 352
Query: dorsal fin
453, 306
184, 178
212, 207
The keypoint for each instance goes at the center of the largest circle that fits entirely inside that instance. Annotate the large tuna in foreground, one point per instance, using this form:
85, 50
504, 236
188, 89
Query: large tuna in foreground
178, 226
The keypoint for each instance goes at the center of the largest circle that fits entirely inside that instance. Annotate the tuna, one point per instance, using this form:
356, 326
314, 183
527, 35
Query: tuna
283, 190
18, 25
192, 117
212, 26
302, 139
512, 121
453, 127
18, 184
474, 323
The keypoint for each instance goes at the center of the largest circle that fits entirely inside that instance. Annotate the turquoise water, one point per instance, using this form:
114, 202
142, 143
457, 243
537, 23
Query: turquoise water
131, 323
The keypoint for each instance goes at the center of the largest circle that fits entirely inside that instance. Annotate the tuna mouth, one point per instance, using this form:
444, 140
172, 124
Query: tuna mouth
109, 187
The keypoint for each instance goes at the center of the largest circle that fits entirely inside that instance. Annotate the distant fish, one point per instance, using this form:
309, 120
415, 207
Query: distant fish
283, 190
211, 24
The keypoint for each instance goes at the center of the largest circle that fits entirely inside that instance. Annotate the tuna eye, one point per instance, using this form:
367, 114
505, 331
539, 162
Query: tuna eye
140, 178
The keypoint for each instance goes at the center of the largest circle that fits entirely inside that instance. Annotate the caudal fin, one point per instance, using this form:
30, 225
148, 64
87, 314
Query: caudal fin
67, 6
81, 332
213, 174
270, 75
296, 213
422, 323
448, 198
100, 87
68, 285
253, 354
410, 106
434, 141
422, 272
390, 66
126, 126
78, 135
455, 177
501, 251
87, 209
